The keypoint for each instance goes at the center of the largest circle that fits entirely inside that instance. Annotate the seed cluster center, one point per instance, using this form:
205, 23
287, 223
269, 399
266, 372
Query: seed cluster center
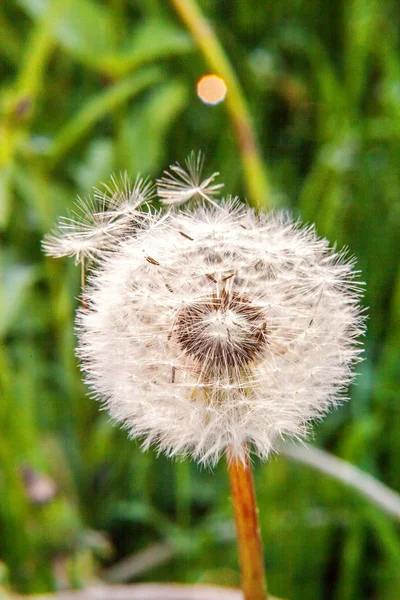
221, 330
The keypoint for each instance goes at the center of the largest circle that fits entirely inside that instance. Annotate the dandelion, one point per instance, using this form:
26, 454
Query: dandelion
180, 185
218, 331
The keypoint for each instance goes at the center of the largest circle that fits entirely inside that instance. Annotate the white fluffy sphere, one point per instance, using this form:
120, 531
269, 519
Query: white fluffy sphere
219, 329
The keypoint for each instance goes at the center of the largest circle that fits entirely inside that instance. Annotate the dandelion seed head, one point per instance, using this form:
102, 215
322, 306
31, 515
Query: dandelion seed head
216, 328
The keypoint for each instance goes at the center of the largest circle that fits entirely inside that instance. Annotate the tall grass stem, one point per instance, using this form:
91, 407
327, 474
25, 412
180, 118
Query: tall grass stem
257, 181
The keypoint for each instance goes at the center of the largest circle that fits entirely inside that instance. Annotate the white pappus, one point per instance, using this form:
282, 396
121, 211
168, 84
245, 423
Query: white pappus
218, 329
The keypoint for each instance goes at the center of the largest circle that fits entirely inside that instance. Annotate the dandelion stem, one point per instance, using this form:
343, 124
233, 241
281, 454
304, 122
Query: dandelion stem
256, 177
83, 274
83, 283
254, 585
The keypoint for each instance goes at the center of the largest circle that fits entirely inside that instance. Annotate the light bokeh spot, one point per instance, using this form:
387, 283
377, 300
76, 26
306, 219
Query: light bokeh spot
211, 89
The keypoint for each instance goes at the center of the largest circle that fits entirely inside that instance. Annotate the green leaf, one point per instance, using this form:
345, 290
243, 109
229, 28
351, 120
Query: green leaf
362, 25
138, 512
45, 196
144, 137
5, 194
96, 165
10, 46
17, 280
82, 27
151, 41
87, 31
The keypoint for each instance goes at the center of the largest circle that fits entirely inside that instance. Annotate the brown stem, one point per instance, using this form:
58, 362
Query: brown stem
254, 585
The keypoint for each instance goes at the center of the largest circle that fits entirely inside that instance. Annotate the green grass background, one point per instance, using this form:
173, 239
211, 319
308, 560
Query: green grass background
89, 88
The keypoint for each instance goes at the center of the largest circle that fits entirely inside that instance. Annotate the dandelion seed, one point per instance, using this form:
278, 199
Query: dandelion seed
87, 234
97, 224
124, 198
185, 235
152, 261
240, 337
179, 185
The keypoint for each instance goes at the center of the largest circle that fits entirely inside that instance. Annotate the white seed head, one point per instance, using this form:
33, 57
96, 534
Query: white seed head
219, 329
180, 185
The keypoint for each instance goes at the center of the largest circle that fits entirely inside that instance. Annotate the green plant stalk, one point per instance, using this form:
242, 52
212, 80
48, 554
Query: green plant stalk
251, 558
28, 85
183, 493
31, 77
257, 182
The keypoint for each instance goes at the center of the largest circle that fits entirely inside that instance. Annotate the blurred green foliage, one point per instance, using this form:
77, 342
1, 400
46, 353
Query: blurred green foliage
90, 88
